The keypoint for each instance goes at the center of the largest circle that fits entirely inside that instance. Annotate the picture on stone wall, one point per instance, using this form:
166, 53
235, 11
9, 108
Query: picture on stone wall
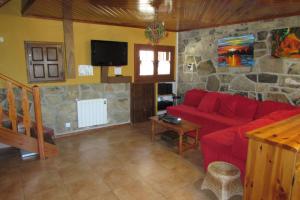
286, 43
236, 51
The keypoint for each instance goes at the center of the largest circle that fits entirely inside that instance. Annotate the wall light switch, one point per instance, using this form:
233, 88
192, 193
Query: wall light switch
85, 70
1, 39
68, 125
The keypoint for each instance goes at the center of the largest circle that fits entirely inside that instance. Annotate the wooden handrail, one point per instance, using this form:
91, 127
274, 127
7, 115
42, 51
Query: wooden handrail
21, 85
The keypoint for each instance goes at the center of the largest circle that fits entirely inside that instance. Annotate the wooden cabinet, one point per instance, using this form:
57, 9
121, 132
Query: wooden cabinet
45, 61
273, 162
142, 102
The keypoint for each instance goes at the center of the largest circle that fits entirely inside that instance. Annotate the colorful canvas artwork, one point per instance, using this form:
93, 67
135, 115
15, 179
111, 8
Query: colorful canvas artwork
236, 51
286, 43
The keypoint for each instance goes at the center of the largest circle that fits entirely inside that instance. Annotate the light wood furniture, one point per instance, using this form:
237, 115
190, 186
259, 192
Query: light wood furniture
223, 179
273, 162
181, 129
11, 136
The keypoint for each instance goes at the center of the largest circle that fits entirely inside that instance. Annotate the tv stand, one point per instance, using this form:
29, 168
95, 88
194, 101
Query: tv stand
113, 79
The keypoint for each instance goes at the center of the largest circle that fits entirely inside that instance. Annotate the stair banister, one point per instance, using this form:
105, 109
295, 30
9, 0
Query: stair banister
14, 118
16, 83
39, 121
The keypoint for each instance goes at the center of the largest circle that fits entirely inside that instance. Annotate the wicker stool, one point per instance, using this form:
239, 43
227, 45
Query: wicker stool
223, 179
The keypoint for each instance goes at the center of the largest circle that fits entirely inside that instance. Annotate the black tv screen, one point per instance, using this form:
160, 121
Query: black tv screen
108, 53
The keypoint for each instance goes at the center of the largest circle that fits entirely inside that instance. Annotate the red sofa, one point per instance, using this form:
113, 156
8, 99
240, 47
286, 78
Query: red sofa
225, 119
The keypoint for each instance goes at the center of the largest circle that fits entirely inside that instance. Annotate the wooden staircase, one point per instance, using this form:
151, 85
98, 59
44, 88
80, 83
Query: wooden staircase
32, 138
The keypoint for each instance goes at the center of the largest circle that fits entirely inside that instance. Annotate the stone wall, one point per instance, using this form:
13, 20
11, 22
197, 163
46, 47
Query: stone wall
270, 78
59, 104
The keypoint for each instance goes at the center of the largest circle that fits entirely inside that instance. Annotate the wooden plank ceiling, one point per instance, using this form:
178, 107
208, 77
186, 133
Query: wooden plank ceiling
178, 15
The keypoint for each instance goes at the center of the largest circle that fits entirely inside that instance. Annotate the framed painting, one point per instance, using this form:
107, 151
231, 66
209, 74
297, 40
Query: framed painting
236, 51
286, 43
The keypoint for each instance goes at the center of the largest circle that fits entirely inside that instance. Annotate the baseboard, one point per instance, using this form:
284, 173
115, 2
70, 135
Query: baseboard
87, 131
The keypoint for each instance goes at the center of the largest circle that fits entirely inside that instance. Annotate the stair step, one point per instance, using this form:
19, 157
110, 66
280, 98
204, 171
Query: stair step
25, 155
47, 138
48, 133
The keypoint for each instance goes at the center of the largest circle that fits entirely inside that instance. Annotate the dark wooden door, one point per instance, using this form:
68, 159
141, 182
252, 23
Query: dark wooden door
44, 61
142, 102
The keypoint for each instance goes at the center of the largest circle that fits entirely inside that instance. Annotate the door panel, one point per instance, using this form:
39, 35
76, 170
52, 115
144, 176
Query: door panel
142, 102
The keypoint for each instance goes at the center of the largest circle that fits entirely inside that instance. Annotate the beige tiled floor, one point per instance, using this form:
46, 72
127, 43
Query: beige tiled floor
111, 164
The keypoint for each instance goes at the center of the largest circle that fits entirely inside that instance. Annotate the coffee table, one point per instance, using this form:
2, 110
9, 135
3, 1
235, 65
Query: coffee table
181, 129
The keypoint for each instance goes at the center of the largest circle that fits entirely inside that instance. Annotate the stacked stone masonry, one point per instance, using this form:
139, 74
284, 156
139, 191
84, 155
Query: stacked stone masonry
59, 104
271, 78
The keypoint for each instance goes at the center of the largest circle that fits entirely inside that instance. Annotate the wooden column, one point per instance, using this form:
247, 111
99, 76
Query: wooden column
69, 39
39, 121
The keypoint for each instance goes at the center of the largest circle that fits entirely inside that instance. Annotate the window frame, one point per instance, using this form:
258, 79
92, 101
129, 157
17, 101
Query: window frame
155, 77
60, 61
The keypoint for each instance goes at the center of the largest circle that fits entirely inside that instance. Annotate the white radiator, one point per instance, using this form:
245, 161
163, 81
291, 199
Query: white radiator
91, 112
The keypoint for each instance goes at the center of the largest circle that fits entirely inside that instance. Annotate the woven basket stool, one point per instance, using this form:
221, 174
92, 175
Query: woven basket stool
223, 179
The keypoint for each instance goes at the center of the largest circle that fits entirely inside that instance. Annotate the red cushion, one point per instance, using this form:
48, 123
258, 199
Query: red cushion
209, 122
283, 114
240, 144
267, 107
255, 124
227, 105
245, 108
240, 147
181, 110
217, 145
209, 103
217, 118
193, 97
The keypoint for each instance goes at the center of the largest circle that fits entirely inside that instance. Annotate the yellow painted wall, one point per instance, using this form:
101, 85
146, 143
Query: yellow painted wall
16, 29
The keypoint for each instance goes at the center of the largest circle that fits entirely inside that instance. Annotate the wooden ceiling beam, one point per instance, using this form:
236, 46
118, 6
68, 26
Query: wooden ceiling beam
69, 40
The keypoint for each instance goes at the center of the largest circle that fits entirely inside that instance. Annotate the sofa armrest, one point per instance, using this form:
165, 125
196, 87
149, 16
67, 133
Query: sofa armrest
239, 148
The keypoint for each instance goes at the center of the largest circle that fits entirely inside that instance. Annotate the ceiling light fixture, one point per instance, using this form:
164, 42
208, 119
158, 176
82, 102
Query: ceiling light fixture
155, 30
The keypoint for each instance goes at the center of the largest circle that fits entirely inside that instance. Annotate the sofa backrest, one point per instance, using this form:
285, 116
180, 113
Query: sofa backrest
228, 104
246, 108
234, 105
193, 97
267, 107
237, 106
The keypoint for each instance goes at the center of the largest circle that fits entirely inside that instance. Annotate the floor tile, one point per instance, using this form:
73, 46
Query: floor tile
107, 164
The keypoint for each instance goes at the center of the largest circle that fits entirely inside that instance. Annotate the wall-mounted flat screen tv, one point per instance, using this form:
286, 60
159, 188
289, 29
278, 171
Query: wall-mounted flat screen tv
108, 53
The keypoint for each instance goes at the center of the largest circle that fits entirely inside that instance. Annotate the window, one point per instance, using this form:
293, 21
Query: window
153, 63
44, 61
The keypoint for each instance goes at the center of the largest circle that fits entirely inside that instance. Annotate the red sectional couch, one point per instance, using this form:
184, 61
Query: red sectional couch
225, 119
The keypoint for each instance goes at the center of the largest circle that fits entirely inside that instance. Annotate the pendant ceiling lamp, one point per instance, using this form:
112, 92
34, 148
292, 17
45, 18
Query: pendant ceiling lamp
155, 30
